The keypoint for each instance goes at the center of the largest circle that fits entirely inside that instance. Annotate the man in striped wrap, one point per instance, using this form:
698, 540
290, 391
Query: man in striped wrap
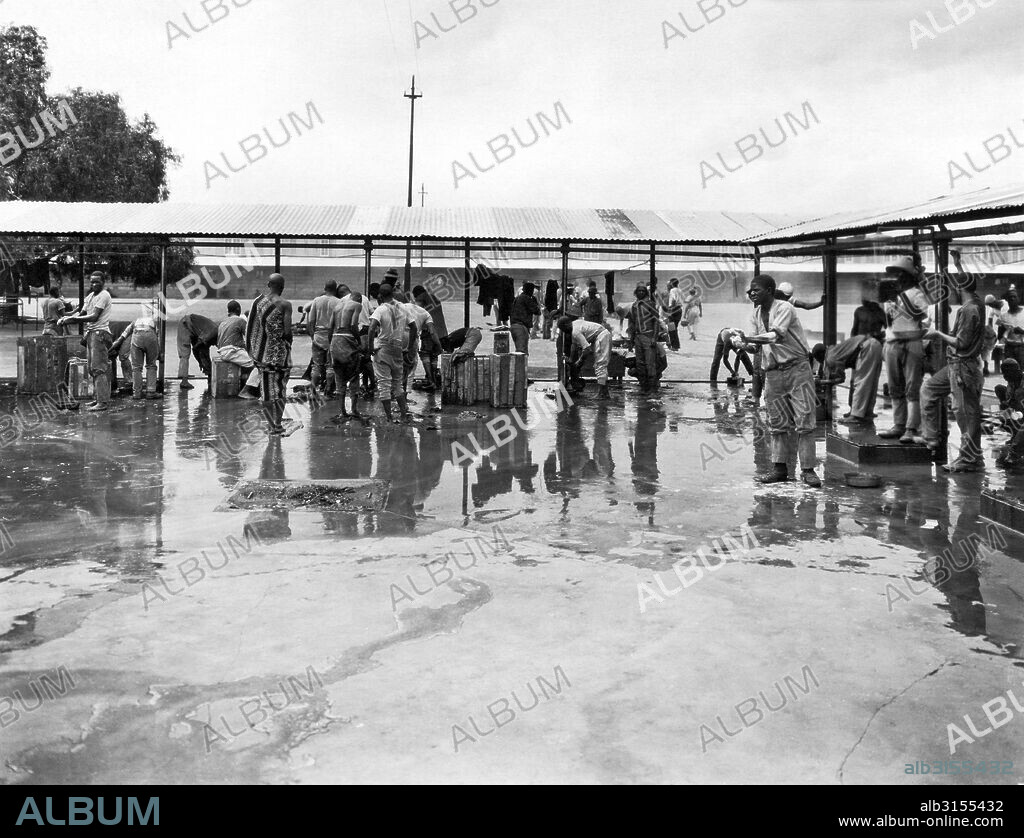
268, 339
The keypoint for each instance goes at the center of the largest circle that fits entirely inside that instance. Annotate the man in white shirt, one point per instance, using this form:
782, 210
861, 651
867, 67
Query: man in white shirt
423, 341
142, 337
388, 339
585, 337
231, 349
904, 350
1010, 324
321, 315
789, 393
95, 314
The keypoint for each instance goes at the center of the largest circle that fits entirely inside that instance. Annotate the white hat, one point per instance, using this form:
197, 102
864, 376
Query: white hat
786, 289
904, 264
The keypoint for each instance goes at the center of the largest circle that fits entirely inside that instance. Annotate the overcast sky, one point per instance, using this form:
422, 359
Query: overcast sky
644, 114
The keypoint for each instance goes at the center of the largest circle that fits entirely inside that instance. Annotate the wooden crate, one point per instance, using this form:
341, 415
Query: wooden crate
458, 382
43, 361
508, 380
483, 378
225, 380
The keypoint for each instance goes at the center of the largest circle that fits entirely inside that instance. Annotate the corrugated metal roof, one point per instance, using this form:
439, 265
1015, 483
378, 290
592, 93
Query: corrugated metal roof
296, 220
944, 208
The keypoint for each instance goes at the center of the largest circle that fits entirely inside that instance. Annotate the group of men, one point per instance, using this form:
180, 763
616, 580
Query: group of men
588, 336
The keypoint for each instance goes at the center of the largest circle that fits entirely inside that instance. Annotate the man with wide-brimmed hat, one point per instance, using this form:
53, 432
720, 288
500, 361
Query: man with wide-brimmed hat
903, 353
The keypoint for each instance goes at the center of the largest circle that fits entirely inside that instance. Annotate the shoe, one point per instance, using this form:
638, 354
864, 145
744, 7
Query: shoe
774, 477
958, 467
811, 479
932, 444
185, 385
908, 436
96, 408
892, 433
248, 393
854, 422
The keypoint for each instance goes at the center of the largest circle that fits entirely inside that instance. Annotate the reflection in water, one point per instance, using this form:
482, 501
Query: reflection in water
643, 454
397, 462
270, 524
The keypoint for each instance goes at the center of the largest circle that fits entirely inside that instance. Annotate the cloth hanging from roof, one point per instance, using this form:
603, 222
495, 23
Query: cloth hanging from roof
551, 295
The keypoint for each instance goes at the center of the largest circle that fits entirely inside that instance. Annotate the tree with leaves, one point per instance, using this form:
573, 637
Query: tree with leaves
98, 155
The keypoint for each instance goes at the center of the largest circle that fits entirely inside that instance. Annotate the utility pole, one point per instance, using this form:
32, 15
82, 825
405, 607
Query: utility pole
412, 96
423, 195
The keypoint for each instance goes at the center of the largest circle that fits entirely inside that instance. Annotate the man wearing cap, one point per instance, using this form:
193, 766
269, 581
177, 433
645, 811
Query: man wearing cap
785, 293
388, 339
95, 314
525, 310
904, 349
268, 339
789, 392
585, 337
321, 315
963, 377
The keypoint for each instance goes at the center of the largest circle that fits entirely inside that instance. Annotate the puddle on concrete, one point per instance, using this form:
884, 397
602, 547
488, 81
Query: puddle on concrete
640, 482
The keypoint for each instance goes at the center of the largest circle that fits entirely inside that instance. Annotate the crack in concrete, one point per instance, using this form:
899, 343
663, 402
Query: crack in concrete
882, 706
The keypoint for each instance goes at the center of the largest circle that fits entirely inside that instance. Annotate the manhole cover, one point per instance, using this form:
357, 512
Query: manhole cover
334, 495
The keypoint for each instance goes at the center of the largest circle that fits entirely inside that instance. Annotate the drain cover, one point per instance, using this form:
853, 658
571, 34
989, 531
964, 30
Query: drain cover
334, 495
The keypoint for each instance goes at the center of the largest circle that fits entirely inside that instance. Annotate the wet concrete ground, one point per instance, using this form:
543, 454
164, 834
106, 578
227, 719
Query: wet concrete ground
150, 634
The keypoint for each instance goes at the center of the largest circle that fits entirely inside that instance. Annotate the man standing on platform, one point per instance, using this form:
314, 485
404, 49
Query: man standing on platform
525, 311
869, 325
95, 314
904, 350
585, 337
963, 377
268, 339
644, 330
789, 392
196, 334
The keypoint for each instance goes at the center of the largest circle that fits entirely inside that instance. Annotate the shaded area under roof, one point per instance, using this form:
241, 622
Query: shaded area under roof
346, 221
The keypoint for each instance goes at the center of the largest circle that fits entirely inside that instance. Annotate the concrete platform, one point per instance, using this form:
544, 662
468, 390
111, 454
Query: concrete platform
519, 614
867, 449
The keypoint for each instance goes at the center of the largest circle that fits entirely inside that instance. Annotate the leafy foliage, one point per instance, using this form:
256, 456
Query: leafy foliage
101, 155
